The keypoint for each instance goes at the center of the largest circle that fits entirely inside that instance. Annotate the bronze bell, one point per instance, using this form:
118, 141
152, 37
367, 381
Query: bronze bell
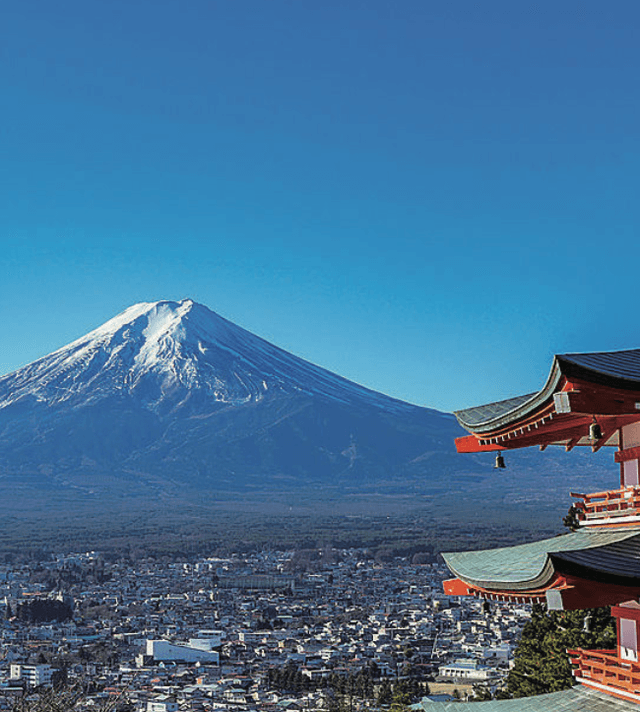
595, 431
499, 462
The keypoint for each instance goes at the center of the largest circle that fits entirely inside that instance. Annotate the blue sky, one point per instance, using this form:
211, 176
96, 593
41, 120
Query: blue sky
430, 199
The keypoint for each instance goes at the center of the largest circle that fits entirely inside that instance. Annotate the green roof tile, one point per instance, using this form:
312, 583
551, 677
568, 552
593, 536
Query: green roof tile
577, 699
530, 566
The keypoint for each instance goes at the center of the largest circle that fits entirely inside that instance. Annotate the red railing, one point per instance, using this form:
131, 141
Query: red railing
623, 502
606, 668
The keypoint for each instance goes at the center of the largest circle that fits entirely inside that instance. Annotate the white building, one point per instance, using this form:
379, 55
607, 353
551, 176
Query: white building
162, 704
499, 653
164, 651
209, 634
33, 675
207, 640
466, 669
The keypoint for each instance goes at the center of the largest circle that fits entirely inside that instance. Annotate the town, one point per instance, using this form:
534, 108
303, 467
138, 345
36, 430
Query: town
326, 629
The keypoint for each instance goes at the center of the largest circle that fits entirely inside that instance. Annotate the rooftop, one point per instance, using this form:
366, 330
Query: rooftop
609, 557
577, 699
579, 386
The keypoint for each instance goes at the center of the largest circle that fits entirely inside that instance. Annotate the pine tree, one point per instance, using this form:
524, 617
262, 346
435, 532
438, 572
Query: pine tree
384, 692
541, 663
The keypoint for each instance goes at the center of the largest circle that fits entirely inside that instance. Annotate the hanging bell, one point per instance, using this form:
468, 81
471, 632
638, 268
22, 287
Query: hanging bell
595, 432
499, 462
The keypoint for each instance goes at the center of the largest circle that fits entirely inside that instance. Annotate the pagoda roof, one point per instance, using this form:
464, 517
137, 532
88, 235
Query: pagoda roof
576, 699
611, 555
579, 387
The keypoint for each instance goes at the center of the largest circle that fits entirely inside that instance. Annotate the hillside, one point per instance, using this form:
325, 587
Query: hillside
169, 405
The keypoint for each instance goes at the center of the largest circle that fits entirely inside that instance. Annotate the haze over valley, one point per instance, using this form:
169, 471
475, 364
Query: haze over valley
170, 413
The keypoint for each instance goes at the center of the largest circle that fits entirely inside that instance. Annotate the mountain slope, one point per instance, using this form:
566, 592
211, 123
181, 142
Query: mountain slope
166, 353
171, 390
169, 402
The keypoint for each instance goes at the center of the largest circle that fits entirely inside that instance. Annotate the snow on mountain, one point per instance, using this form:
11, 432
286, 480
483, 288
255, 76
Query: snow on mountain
170, 403
166, 354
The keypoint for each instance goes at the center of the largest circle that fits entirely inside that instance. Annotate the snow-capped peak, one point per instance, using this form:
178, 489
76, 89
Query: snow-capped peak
168, 353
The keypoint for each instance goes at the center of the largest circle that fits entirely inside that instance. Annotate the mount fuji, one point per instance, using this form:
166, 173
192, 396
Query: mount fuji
170, 399
170, 357
169, 408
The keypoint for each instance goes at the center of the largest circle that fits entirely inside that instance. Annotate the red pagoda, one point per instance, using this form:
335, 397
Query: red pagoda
589, 400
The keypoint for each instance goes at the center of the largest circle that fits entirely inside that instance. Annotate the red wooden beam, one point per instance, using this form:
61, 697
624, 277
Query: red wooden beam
606, 434
553, 431
597, 399
565, 425
628, 612
560, 428
456, 587
567, 593
471, 443
571, 444
631, 453
581, 593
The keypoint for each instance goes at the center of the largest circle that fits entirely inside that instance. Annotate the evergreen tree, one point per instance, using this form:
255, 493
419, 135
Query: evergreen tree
384, 692
481, 693
44, 609
502, 694
541, 663
400, 699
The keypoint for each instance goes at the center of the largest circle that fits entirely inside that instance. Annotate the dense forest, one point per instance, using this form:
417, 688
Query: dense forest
219, 535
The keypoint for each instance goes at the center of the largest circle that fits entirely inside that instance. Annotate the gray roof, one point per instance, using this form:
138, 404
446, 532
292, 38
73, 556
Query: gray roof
610, 552
491, 411
618, 369
618, 561
619, 365
577, 699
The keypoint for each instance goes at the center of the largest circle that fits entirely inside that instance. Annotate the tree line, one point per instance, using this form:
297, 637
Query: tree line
342, 690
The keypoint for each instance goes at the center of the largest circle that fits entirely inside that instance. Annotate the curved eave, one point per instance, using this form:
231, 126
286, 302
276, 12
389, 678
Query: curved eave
548, 427
596, 554
502, 413
579, 388
611, 369
575, 699
615, 369
563, 593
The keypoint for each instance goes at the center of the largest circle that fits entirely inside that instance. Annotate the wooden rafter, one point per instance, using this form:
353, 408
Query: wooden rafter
571, 444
